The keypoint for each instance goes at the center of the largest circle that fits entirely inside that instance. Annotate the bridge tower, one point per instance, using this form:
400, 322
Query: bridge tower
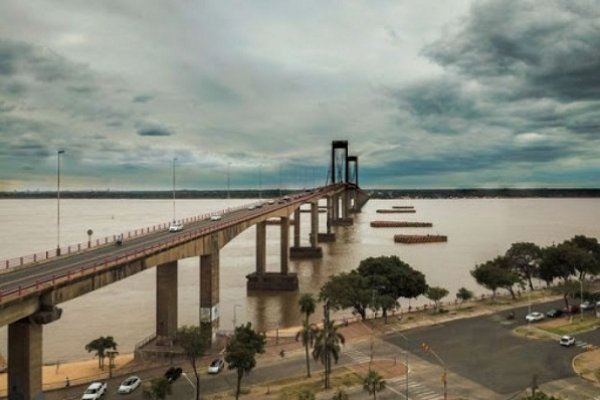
339, 161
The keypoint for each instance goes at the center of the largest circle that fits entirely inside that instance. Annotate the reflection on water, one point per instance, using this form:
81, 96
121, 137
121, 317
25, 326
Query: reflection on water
477, 231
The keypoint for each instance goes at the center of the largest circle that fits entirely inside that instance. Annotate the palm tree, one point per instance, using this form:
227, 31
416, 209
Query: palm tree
100, 346
373, 383
327, 344
307, 305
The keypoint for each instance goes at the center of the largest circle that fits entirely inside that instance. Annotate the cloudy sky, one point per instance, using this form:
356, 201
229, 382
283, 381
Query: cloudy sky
429, 94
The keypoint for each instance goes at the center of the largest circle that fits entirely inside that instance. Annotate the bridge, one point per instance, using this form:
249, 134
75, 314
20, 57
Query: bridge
31, 290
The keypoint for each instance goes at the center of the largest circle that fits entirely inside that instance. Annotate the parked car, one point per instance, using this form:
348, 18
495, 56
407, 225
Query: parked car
534, 316
173, 373
129, 385
587, 305
572, 309
554, 313
95, 391
215, 217
175, 227
567, 341
216, 366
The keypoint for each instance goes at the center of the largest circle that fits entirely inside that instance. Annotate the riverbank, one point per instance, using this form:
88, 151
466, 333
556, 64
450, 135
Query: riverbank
84, 371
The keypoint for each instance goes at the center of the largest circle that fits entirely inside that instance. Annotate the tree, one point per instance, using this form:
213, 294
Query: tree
308, 332
327, 345
100, 346
347, 290
435, 294
340, 395
590, 263
391, 278
463, 295
540, 396
194, 342
158, 389
494, 274
241, 351
306, 394
524, 258
373, 383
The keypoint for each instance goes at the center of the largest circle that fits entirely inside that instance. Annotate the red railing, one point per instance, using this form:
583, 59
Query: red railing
109, 262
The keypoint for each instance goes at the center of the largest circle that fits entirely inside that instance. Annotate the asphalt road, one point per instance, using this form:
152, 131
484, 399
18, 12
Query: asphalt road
484, 350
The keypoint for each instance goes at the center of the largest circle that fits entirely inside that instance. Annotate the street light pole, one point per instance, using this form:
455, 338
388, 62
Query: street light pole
428, 348
581, 297
58, 153
174, 159
228, 165
260, 181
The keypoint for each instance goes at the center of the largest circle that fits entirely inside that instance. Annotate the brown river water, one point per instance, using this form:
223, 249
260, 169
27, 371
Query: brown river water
477, 230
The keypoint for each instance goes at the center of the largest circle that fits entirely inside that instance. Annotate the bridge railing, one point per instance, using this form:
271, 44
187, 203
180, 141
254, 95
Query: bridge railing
108, 262
34, 258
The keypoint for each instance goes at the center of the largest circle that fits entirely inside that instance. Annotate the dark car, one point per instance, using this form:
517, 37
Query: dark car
173, 373
572, 309
554, 313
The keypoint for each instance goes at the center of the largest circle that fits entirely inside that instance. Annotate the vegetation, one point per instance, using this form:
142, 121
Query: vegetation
241, 351
158, 389
524, 258
193, 342
340, 395
306, 394
308, 332
494, 274
540, 396
100, 346
373, 383
377, 283
328, 345
436, 294
463, 295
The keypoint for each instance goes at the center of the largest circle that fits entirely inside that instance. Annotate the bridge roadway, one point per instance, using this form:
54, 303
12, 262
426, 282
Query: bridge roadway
29, 276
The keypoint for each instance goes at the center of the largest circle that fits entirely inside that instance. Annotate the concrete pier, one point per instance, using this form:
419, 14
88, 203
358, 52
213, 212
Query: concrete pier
166, 300
209, 294
25, 360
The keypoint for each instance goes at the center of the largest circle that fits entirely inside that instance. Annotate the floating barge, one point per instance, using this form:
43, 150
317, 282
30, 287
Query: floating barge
413, 239
400, 224
403, 207
395, 211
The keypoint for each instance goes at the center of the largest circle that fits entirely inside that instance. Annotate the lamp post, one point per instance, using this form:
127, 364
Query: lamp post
58, 153
260, 181
174, 159
427, 348
581, 297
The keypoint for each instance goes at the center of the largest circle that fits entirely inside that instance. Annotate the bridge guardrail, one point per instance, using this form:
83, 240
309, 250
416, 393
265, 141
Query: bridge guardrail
93, 267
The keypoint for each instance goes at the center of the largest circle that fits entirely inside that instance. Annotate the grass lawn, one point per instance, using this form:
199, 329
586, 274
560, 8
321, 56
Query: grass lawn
342, 378
577, 325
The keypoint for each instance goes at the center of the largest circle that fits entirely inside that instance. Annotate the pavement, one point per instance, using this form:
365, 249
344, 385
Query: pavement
484, 358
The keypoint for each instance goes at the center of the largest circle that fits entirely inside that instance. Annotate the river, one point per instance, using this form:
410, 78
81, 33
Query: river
477, 230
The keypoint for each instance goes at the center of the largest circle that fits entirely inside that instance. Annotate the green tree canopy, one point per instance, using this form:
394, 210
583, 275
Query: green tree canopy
347, 290
524, 258
328, 345
436, 294
373, 383
194, 343
100, 346
463, 295
494, 275
241, 351
157, 389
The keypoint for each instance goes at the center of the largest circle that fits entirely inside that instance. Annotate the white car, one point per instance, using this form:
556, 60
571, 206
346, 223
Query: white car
252, 207
95, 391
534, 316
216, 366
175, 227
129, 384
215, 217
567, 341
270, 202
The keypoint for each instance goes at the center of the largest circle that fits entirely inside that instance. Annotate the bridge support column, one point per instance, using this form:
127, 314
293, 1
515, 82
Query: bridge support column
344, 220
328, 236
261, 247
209, 294
312, 251
297, 227
272, 281
166, 301
24, 360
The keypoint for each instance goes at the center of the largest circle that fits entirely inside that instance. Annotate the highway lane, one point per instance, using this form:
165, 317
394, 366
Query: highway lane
74, 262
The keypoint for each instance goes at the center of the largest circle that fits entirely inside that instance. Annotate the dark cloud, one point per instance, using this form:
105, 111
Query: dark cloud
6, 107
142, 98
549, 49
154, 131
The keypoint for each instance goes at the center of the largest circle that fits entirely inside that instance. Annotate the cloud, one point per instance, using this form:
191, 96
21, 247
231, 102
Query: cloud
142, 98
154, 131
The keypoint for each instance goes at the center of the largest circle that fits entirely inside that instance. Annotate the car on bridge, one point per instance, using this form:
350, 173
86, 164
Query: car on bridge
175, 227
215, 217
95, 391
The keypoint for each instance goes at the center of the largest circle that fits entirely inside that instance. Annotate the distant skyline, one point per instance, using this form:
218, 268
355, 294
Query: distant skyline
429, 94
